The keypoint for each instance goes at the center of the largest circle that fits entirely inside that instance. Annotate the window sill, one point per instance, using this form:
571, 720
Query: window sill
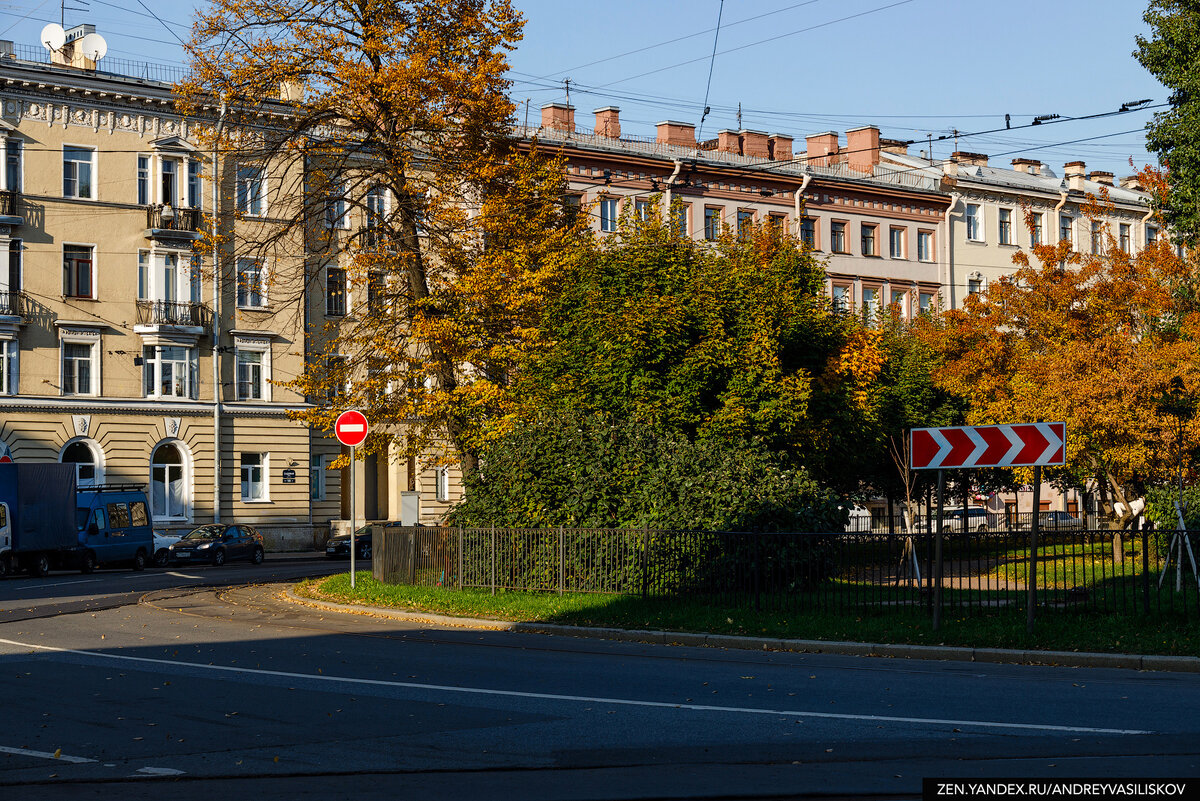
254, 308
256, 500
79, 297
976, 241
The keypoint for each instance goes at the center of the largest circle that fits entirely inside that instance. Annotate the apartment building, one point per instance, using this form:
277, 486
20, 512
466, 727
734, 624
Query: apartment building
878, 228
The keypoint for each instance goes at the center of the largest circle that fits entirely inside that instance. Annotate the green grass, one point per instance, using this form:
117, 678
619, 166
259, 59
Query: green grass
1059, 629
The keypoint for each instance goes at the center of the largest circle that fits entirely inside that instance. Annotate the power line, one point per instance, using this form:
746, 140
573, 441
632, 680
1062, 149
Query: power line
712, 61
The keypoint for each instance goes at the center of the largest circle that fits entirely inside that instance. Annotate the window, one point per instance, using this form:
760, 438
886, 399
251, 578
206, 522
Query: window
777, 222
570, 208
870, 304
641, 208
335, 292
1064, 229
250, 191
925, 302
77, 271
16, 249
335, 383
12, 165
78, 168
85, 461
143, 275
118, 514
195, 173
974, 223
1151, 234
900, 300
1097, 239
170, 182
1006, 237
375, 291
837, 237
252, 468
335, 207
745, 223
169, 371
9, 349
443, 483
1125, 237
808, 232
251, 284
143, 180
896, 243
166, 277
316, 478
712, 223
137, 513
78, 368
868, 240
195, 278
376, 202
924, 245
167, 488
681, 219
608, 214
841, 298
250, 383
974, 284
1037, 233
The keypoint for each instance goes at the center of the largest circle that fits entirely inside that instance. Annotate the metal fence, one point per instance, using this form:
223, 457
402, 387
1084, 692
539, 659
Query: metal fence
1122, 572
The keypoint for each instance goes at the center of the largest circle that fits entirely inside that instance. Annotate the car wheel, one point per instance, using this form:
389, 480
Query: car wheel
139, 560
258, 556
161, 557
364, 552
40, 565
218, 558
87, 564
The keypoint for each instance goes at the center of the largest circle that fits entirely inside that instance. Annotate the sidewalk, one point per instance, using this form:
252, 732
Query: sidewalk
1178, 664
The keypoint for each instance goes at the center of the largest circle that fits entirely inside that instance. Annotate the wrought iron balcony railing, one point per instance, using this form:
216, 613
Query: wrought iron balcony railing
10, 201
167, 218
12, 303
166, 312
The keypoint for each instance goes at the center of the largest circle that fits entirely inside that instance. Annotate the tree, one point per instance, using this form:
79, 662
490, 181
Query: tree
390, 158
1171, 54
1093, 340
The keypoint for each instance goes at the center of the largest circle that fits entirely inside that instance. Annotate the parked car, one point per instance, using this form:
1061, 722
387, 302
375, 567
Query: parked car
952, 520
338, 546
217, 544
162, 547
1056, 521
114, 526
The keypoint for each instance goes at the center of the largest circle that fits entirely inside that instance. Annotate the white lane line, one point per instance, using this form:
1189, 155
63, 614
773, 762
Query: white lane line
159, 772
58, 583
181, 575
986, 724
74, 760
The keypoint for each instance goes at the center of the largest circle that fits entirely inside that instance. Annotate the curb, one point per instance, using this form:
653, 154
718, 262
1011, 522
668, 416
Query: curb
1177, 664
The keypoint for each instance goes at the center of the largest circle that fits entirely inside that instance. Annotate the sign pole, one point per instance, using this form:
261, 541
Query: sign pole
937, 554
353, 514
351, 429
1031, 572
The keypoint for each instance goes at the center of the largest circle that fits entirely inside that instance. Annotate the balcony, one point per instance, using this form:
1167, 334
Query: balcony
12, 304
165, 222
10, 207
170, 313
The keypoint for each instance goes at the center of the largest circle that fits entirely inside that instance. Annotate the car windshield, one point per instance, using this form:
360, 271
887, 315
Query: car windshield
204, 533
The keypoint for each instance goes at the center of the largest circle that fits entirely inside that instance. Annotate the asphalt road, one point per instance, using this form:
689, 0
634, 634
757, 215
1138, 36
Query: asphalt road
191, 692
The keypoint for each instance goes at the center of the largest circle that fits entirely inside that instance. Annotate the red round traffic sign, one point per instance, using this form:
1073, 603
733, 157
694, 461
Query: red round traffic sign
351, 428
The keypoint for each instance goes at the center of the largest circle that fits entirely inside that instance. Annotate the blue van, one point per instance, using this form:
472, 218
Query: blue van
114, 526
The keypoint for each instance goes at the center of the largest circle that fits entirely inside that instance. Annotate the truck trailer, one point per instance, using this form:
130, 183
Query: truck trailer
37, 517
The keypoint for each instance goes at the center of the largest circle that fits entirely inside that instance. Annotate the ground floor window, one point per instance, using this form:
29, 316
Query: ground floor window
8, 366
86, 461
253, 469
168, 488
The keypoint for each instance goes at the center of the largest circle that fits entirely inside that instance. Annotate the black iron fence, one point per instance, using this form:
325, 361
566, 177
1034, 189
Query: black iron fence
1127, 571
166, 312
978, 519
12, 304
9, 203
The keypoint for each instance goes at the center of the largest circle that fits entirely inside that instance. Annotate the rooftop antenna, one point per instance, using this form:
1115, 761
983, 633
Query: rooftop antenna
63, 8
53, 37
567, 84
739, 116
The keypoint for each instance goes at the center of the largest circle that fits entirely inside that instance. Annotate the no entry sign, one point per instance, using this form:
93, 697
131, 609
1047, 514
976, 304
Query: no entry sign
1016, 445
351, 428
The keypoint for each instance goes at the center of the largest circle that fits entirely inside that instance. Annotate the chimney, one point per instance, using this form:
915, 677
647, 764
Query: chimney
974, 159
608, 122
558, 117
1028, 166
897, 146
862, 148
69, 55
728, 141
779, 147
820, 147
680, 134
1133, 183
1074, 172
1101, 177
755, 144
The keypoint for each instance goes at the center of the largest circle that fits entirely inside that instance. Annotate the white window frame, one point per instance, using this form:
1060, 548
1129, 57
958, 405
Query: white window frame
980, 282
93, 170
902, 302
180, 179
9, 143
974, 222
195, 183
195, 276
249, 200
94, 273
264, 349
264, 470
337, 215
143, 179
610, 212
76, 338
244, 293
1150, 240
1037, 233
185, 478
1125, 240
10, 366
902, 251
441, 479
341, 310
925, 252
152, 363
1000, 235
922, 306
317, 484
1070, 227
98, 459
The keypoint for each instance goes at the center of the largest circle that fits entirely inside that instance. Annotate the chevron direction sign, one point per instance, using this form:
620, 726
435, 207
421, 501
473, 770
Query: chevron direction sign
1015, 445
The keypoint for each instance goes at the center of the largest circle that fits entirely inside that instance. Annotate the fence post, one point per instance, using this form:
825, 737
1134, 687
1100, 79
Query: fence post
493, 558
1031, 572
561, 569
645, 562
937, 552
757, 569
460, 558
1137, 521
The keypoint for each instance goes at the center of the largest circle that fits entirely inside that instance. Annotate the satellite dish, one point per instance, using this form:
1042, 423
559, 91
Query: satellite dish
53, 36
93, 46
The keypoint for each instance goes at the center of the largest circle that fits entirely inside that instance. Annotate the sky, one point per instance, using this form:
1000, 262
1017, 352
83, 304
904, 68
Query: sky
915, 68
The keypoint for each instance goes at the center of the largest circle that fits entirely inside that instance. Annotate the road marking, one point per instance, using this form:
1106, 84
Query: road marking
985, 724
57, 583
74, 760
181, 575
159, 772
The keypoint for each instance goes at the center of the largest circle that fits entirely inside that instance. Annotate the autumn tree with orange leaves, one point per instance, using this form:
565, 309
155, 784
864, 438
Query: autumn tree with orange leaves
383, 131
1093, 340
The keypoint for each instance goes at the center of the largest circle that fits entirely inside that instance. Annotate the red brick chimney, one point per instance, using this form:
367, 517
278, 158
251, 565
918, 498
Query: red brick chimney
729, 142
780, 147
681, 134
608, 122
862, 148
755, 144
820, 146
558, 117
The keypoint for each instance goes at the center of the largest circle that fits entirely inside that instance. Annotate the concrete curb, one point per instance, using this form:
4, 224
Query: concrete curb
1178, 664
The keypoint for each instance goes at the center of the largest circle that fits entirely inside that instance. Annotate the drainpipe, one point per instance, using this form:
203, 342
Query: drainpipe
1062, 201
667, 194
1145, 221
945, 275
798, 200
216, 328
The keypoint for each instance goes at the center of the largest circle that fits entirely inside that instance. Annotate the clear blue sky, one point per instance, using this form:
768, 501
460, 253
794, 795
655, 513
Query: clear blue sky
913, 67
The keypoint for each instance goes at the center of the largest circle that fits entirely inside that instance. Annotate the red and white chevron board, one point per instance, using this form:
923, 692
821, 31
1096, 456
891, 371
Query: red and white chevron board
1015, 445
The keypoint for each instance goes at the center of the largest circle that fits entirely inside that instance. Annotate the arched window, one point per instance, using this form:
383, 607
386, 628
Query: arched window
168, 482
88, 471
